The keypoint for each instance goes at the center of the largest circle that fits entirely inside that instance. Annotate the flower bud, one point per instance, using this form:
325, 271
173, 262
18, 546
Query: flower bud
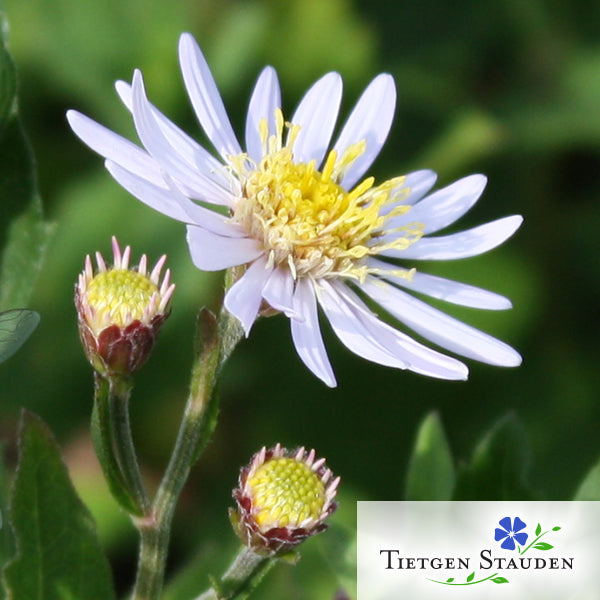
120, 311
283, 497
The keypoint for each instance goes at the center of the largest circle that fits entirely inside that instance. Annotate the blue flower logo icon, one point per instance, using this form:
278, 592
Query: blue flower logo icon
510, 532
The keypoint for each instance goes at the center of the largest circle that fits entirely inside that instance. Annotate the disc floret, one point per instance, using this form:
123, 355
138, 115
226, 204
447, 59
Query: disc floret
306, 220
283, 497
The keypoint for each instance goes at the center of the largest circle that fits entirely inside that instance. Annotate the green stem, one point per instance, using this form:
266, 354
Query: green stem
534, 541
244, 574
216, 342
154, 542
120, 392
106, 444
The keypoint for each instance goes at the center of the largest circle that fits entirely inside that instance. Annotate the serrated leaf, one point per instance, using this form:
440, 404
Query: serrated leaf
543, 546
431, 474
58, 554
538, 529
15, 327
500, 580
471, 577
499, 467
589, 488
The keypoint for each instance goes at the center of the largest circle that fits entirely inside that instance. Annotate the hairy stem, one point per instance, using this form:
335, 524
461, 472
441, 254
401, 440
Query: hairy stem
111, 435
120, 392
215, 343
244, 574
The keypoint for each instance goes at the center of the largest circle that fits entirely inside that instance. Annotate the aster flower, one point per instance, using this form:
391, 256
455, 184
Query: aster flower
283, 497
306, 226
120, 310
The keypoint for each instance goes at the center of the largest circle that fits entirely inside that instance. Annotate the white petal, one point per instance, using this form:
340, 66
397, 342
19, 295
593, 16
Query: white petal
351, 332
265, 100
439, 327
114, 147
212, 220
157, 197
419, 183
183, 145
306, 333
463, 244
443, 289
422, 359
363, 333
168, 156
279, 292
244, 297
370, 120
205, 98
316, 115
445, 206
412, 189
212, 252
173, 203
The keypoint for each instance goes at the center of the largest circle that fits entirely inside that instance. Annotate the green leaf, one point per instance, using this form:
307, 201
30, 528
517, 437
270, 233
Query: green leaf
450, 580
7, 548
431, 473
337, 547
500, 580
58, 554
8, 81
471, 577
556, 528
499, 467
543, 546
23, 233
589, 488
15, 327
538, 529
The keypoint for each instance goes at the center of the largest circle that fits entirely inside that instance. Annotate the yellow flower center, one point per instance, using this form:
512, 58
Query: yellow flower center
285, 493
306, 220
122, 295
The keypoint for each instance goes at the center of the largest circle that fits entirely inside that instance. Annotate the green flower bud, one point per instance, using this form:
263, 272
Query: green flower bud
283, 497
121, 310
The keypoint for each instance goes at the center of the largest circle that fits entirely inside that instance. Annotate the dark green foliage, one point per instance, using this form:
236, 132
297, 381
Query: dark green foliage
58, 554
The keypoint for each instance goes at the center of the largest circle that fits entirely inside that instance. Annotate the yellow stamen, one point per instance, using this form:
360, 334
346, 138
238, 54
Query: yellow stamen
306, 220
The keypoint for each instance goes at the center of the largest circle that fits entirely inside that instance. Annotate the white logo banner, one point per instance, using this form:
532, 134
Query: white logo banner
478, 550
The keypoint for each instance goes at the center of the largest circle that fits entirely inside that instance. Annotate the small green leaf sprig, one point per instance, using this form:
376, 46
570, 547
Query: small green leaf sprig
495, 578
536, 544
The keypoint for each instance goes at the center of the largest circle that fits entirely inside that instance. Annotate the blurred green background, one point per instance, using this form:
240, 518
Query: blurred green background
510, 88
